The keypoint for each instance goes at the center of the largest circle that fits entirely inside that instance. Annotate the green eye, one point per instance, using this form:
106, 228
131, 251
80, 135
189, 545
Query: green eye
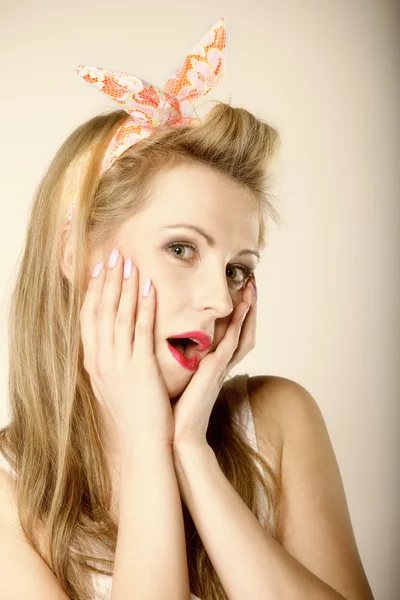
174, 246
247, 273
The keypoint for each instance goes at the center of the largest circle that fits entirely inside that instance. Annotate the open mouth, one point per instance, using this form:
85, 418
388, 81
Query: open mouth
184, 345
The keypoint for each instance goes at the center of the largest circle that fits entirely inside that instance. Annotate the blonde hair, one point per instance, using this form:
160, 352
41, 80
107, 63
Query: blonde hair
52, 441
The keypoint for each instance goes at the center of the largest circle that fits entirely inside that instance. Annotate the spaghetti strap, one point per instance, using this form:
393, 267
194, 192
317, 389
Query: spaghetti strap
243, 416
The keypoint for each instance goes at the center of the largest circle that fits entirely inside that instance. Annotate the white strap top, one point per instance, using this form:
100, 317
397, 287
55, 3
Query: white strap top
103, 583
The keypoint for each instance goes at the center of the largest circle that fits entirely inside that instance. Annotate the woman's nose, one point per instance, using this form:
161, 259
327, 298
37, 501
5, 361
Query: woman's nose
215, 294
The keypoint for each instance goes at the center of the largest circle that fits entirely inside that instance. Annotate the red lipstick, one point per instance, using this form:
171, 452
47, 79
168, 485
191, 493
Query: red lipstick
189, 357
191, 364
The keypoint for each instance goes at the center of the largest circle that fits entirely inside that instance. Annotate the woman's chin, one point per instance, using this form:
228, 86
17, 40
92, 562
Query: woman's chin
176, 378
175, 384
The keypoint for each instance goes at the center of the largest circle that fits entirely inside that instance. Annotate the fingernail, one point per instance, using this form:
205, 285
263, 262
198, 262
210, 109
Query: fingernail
97, 269
146, 289
127, 268
112, 261
254, 288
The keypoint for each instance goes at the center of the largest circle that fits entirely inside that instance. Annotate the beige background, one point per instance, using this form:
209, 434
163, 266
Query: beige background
325, 74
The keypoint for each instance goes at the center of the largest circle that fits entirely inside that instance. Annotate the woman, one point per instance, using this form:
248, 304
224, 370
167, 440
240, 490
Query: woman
135, 468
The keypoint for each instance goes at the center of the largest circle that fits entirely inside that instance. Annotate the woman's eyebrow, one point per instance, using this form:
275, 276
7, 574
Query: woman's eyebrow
210, 240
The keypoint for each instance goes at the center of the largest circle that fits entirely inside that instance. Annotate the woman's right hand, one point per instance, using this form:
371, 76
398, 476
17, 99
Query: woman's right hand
118, 342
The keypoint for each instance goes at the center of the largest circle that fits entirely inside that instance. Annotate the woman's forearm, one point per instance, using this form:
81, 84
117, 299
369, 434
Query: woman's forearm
150, 558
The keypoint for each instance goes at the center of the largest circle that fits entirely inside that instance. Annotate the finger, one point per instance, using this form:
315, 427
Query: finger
88, 316
143, 347
107, 312
215, 364
247, 338
126, 315
229, 342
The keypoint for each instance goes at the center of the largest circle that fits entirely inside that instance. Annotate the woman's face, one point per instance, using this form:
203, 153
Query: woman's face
197, 287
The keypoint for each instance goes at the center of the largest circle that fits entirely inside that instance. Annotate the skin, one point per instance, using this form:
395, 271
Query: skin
200, 290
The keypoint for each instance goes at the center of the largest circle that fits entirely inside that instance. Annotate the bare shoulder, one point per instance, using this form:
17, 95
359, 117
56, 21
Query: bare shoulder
314, 512
24, 575
276, 403
265, 396
271, 398
8, 504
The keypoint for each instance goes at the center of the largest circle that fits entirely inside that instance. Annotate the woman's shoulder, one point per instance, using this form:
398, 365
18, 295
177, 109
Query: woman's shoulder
264, 392
278, 400
8, 502
35, 579
259, 399
264, 395
8, 494
277, 403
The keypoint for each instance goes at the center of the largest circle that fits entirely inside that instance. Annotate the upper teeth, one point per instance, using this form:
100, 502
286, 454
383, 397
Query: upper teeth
193, 340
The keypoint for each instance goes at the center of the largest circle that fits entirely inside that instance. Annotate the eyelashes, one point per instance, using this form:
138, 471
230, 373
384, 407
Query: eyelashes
246, 271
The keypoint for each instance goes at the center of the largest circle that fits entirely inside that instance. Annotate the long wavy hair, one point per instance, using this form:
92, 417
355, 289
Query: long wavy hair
52, 442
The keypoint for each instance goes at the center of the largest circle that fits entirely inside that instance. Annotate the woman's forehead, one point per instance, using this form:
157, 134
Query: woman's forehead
197, 192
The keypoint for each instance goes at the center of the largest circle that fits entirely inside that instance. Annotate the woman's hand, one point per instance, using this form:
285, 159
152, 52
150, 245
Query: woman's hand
193, 409
119, 357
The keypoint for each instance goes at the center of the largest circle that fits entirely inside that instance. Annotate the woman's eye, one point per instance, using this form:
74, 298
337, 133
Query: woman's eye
246, 273
174, 246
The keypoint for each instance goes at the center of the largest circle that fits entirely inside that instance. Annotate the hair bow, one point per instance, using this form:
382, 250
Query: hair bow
150, 107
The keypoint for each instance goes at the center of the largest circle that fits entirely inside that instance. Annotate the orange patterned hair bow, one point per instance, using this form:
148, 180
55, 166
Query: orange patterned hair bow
150, 107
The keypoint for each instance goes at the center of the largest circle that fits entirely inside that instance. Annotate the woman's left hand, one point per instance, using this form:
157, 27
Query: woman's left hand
193, 409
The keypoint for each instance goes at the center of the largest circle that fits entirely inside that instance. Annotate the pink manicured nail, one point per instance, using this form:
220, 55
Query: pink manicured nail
253, 287
127, 268
146, 289
112, 261
97, 269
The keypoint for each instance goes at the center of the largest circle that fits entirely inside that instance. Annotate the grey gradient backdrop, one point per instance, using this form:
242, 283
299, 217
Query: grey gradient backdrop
326, 75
